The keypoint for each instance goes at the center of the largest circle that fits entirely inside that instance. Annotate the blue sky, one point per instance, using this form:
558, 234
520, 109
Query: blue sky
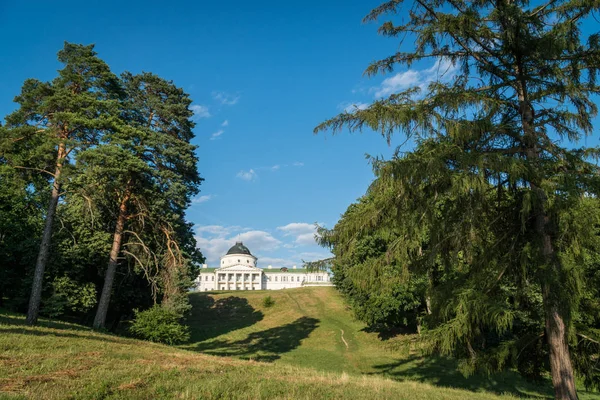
262, 75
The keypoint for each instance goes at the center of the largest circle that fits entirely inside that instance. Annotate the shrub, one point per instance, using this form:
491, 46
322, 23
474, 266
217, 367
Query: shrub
159, 324
268, 302
69, 296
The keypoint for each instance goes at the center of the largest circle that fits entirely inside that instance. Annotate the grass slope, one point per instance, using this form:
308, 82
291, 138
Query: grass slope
64, 361
312, 327
58, 360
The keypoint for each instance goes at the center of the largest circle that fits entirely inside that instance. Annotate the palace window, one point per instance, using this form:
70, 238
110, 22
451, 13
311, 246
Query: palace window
275, 279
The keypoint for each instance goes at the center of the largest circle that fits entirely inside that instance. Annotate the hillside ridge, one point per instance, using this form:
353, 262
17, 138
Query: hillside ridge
239, 349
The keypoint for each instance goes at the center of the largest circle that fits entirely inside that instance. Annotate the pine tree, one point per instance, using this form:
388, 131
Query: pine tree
146, 173
62, 117
524, 81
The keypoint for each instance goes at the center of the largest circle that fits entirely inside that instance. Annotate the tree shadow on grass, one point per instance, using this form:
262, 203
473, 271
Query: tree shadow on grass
209, 318
8, 318
444, 372
267, 345
14, 324
387, 333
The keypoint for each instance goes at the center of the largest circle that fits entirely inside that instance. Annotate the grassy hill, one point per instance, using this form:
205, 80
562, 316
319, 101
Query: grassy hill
312, 327
292, 350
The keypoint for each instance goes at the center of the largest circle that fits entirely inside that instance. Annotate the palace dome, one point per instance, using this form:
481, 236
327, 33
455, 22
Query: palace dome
239, 248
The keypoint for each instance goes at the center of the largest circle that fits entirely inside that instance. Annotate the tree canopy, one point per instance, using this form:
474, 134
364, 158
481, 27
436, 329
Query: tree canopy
492, 194
111, 156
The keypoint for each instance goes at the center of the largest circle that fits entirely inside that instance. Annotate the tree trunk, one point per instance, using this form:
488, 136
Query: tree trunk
38, 277
100, 318
561, 368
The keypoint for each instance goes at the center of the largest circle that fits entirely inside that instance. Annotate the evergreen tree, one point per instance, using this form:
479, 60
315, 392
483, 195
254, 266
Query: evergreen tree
62, 117
524, 81
377, 286
145, 174
21, 198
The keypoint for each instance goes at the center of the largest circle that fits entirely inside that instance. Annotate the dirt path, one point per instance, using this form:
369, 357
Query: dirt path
344, 340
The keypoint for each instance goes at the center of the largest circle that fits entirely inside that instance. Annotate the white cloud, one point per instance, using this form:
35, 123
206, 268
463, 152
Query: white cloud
259, 241
295, 228
199, 111
218, 230
225, 123
306, 239
303, 233
225, 98
298, 164
218, 133
249, 175
398, 82
214, 241
213, 248
276, 262
351, 107
442, 70
279, 251
271, 168
313, 255
201, 199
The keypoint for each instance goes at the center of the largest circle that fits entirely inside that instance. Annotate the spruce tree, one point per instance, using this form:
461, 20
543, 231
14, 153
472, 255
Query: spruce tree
62, 117
524, 83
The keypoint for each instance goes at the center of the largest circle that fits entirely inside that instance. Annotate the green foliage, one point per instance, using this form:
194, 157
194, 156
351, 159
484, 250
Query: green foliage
145, 173
69, 296
380, 292
491, 207
268, 302
159, 324
95, 139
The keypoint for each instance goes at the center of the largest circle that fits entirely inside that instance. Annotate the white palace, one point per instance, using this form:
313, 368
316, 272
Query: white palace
239, 271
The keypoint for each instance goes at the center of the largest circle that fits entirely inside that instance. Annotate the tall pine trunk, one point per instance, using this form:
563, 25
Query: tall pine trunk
561, 368
560, 358
40, 265
100, 318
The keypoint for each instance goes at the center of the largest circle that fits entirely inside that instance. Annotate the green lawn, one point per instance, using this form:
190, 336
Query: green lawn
304, 328
293, 350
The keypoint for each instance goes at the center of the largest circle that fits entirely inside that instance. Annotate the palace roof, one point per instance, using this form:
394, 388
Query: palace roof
239, 248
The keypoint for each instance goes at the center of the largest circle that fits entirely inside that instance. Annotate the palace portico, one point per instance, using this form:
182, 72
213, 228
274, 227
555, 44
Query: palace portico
238, 270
